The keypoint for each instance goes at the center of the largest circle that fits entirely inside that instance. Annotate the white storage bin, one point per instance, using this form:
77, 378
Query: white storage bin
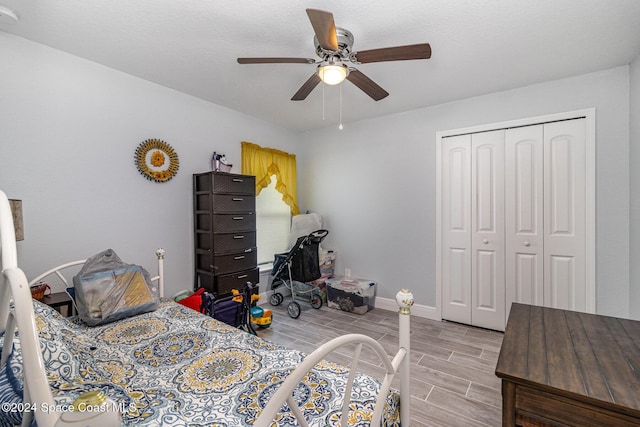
351, 294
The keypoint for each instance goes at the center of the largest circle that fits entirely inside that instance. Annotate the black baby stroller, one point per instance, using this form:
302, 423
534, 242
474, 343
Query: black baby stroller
295, 269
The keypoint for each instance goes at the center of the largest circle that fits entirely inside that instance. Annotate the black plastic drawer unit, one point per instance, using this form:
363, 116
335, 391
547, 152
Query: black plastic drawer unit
224, 232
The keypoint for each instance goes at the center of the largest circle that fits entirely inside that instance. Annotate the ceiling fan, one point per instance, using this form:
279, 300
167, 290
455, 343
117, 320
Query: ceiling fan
333, 46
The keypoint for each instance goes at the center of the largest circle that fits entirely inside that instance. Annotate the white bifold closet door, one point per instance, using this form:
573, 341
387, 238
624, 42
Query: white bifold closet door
513, 221
524, 215
564, 215
487, 229
473, 224
456, 228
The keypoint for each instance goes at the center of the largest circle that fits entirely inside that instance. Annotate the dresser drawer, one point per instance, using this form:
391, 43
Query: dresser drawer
236, 184
230, 223
539, 408
228, 263
223, 284
225, 223
225, 203
234, 242
225, 183
225, 242
227, 282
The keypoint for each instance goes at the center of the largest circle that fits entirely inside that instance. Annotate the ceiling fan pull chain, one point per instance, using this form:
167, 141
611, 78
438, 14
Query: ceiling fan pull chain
323, 85
340, 125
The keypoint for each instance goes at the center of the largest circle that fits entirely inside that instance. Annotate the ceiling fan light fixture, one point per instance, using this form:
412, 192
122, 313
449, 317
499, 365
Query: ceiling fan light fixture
333, 74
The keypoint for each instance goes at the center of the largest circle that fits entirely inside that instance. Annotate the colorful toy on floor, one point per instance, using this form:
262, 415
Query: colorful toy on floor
237, 296
261, 316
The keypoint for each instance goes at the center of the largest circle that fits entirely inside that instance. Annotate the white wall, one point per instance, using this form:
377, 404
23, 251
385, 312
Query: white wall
374, 182
634, 195
69, 128
68, 132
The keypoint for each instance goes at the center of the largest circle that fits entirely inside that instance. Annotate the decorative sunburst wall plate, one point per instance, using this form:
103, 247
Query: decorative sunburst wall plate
156, 160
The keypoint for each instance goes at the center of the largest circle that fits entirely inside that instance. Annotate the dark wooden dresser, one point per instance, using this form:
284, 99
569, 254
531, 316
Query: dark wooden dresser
224, 232
565, 368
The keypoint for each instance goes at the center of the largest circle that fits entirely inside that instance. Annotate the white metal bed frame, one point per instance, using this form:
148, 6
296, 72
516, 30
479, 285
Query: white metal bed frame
15, 287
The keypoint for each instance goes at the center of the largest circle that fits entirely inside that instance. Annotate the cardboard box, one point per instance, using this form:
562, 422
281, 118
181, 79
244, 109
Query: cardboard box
351, 294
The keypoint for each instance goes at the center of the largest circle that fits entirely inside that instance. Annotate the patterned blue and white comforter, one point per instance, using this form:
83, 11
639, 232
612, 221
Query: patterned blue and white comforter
177, 367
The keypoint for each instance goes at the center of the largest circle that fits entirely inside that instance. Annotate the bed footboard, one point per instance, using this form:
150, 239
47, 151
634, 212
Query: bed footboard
399, 364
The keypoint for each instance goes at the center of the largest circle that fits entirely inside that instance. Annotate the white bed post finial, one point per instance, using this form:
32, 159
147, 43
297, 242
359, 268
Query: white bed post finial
160, 255
405, 300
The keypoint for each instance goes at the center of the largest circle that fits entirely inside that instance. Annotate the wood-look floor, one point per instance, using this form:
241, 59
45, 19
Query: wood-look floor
453, 380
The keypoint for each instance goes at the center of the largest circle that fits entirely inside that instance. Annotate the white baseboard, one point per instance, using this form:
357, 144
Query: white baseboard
417, 310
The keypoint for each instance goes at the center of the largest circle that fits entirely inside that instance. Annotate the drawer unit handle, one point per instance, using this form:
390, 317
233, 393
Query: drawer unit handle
238, 180
238, 218
237, 199
238, 237
239, 257
243, 276
248, 250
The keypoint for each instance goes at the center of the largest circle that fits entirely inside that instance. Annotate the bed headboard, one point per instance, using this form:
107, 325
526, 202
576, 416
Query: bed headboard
60, 272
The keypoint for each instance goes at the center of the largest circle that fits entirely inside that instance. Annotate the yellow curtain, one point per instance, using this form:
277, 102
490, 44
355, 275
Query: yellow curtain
264, 162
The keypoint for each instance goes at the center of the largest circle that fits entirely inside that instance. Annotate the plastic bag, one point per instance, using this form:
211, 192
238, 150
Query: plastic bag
107, 289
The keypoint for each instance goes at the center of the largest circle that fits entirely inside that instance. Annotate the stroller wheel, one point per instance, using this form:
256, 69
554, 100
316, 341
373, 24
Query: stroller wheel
316, 301
293, 309
276, 299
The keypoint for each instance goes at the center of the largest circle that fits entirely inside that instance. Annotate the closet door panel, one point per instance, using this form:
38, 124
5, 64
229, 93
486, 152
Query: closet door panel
487, 241
458, 279
456, 228
562, 284
527, 286
524, 215
486, 280
565, 220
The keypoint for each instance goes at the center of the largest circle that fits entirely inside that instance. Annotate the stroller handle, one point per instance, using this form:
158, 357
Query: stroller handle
320, 233
317, 236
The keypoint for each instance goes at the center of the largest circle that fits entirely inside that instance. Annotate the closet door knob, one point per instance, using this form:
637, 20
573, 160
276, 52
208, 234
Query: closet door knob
527, 243
485, 241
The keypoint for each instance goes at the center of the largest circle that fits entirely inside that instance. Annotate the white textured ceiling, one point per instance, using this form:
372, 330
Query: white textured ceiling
479, 46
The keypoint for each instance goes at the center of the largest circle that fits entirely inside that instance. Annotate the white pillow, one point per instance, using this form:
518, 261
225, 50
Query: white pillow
303, 225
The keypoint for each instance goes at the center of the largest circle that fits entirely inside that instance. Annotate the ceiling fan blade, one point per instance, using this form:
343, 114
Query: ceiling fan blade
398, 53
324, 27
306, 88
276, 61
367, 85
